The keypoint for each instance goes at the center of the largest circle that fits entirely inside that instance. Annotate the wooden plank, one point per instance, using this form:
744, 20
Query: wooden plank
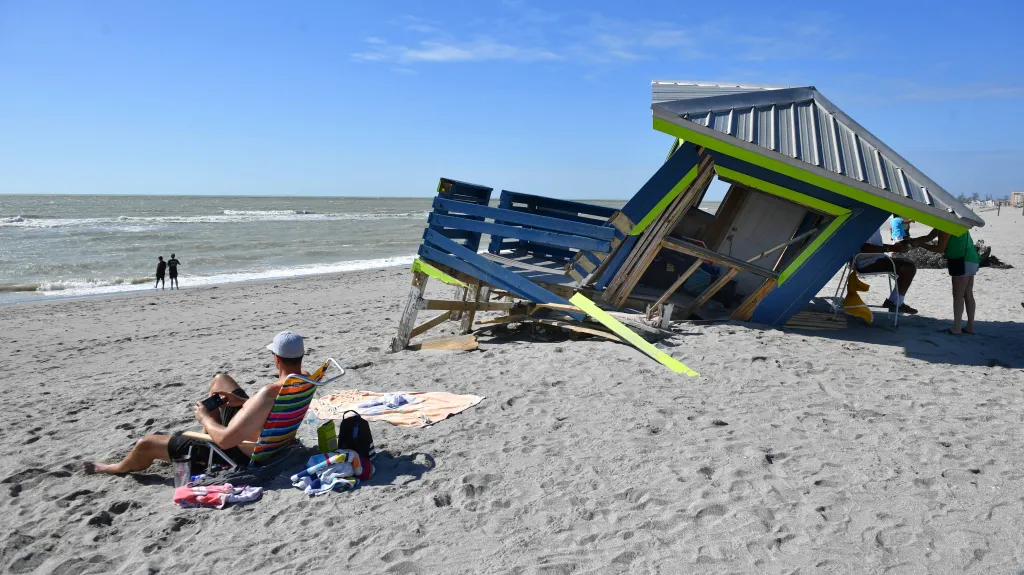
603, 212
430, 324
513, 263
746, 309
704, 253
491, 272
645, 250
708, 293
572, 326
503, 319
565, 241
412, 307
454, 343
465, 305
679, 282
505, 216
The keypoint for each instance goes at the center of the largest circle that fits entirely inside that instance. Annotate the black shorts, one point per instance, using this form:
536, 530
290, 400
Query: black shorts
174, 274
956, 266
159, 277
179, 447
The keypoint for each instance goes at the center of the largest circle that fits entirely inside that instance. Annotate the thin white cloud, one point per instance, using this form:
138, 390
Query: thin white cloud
479, 50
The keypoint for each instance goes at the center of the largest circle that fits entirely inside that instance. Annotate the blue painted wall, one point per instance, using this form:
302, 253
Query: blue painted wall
791, 297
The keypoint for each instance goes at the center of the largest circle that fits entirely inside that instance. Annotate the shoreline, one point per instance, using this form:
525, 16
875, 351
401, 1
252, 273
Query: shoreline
47, 299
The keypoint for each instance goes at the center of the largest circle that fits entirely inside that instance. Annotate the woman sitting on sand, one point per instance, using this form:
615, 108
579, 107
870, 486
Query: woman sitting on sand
962, 261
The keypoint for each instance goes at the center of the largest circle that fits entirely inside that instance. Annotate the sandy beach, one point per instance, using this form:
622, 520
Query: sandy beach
863, 450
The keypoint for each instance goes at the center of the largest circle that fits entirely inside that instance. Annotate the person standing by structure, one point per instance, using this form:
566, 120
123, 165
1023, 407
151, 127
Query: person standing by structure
172, 268
161, 266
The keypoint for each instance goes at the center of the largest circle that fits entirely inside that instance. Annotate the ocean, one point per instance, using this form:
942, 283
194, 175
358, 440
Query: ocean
73, 246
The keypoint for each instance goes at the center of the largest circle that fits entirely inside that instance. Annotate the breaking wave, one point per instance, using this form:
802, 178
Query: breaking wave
226, 217
89, 287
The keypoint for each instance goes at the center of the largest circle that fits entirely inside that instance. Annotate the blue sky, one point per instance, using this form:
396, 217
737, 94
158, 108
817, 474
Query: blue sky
348, 98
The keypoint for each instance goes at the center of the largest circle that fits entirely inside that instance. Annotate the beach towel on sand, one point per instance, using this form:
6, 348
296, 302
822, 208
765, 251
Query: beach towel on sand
410, 408
216, 496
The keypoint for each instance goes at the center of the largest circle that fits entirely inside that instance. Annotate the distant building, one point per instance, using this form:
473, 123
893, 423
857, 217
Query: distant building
1017, 199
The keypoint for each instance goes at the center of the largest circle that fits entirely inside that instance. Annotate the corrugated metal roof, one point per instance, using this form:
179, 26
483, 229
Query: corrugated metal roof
803, 127
663, 91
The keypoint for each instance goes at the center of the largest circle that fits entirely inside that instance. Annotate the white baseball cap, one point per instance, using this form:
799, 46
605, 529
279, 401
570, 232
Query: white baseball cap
288, 345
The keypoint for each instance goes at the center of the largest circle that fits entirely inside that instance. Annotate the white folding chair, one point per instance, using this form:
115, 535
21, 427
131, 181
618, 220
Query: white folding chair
893, 277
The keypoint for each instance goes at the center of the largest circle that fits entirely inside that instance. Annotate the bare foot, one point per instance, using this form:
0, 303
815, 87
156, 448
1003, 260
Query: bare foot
93, 468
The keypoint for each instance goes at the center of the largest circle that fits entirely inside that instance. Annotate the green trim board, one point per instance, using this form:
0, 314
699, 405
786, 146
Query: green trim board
591, 309
840, 213
422, 266
777, 190
774, 165
661, 205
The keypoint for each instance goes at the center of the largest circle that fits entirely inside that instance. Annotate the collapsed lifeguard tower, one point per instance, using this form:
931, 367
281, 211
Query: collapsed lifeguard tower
807, 186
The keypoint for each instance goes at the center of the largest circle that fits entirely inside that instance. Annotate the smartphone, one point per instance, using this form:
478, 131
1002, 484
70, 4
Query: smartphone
212, 402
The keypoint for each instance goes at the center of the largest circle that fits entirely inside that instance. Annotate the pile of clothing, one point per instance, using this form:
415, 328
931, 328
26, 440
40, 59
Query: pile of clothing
335, 471
216, 496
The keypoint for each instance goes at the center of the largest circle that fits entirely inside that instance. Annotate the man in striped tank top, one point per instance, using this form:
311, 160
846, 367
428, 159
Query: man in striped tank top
239, 419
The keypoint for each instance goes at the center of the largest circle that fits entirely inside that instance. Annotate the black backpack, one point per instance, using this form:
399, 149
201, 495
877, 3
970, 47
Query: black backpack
354, 433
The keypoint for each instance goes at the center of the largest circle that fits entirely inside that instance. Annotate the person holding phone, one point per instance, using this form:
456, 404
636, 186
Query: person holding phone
228, 415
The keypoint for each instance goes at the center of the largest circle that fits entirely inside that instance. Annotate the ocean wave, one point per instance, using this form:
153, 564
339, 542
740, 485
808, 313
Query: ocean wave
89, 287
74, 285
136, 223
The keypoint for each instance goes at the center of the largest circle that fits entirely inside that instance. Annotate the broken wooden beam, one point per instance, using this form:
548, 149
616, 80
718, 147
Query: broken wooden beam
453, 343
430, 324
746, 309
710, 292
465, 306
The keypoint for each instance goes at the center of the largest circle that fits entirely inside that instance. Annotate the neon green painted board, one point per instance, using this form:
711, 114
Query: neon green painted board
591, 309
422, 266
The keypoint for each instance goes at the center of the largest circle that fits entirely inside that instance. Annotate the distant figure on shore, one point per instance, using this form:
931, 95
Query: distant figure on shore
172, 268
160, 267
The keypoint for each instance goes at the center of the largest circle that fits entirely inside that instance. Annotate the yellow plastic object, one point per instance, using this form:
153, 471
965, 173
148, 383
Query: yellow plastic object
856, 284
852, 303
591, 309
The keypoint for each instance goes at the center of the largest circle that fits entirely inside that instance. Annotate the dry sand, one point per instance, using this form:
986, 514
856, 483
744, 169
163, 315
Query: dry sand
863, 450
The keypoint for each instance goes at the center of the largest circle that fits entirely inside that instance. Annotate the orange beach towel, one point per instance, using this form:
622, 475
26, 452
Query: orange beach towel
428, 407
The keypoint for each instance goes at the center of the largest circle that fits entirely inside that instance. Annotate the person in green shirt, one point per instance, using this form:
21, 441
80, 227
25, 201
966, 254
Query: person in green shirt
962, 261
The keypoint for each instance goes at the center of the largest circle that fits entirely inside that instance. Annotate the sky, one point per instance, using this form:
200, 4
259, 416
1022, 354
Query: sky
382, 99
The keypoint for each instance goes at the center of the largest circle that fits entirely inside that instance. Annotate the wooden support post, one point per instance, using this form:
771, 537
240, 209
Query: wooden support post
412, 308
746, 309
480, 294
666, 315
430, 324
679, 282
460, 295
710, 292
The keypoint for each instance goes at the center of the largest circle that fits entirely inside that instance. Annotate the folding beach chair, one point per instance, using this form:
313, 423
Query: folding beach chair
851, 266
282, 424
